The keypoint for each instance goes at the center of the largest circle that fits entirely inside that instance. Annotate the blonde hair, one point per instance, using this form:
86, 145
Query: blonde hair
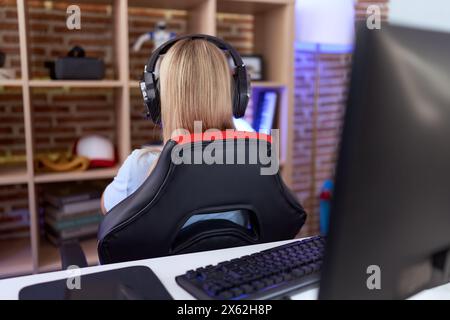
195, 85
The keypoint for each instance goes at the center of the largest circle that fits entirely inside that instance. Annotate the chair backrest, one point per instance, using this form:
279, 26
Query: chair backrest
199, 175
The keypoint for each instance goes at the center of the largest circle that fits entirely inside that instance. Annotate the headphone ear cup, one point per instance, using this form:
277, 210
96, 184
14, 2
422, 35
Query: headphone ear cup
157, 105
242, 92
150, 93
235, 98
158, 87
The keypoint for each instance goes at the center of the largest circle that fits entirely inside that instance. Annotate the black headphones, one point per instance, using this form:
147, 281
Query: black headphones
150, 87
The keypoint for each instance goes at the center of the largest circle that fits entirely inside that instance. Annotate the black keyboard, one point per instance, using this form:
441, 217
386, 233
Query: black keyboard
267, 274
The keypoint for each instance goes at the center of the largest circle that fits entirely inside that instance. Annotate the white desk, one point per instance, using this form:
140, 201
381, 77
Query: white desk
166, 268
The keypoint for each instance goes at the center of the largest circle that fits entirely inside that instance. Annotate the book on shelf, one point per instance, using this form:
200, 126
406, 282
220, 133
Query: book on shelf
16, 233
72, 212
14, 219
73, 193
74, 208
77, 227
55, 214
77, 221
55, 240
72, 233
15, 224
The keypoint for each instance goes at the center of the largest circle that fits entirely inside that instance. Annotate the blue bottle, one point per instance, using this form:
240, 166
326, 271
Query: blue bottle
325, 206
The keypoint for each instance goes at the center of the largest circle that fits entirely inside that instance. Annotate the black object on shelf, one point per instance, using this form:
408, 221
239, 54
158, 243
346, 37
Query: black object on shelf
2, 59
76, 66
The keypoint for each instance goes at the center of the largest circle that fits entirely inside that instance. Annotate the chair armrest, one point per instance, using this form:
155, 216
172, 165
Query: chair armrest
72, 254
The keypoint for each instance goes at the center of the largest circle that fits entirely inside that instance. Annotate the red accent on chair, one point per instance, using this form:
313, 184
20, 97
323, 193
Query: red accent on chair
221, 135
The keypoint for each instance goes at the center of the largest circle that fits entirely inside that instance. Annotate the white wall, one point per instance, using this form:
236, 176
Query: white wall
325, 21
426, 14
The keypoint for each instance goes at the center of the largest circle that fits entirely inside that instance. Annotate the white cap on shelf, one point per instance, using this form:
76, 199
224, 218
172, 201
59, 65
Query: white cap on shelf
98, 149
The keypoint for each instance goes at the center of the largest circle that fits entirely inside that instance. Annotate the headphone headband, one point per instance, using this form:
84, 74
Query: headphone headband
149, 84
151, 65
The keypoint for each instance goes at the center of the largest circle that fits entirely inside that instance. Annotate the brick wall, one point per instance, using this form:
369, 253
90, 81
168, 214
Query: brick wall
12, 137
362, 5
236, 29
334, 77
9, 35
49, 37
334, 80
142, 20
61, 115
142, 130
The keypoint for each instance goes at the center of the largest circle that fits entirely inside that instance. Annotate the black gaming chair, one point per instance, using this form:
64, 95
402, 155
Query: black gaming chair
149, 223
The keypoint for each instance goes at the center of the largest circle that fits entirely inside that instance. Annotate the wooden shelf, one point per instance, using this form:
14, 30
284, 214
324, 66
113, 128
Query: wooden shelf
75, 83
250, 6
91, 174
267, 84
15, 257
133, 84
164, 4
50, 259
11, 83
91, 1
13, 175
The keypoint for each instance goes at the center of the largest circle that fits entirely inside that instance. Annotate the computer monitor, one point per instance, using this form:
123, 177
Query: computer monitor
390, 220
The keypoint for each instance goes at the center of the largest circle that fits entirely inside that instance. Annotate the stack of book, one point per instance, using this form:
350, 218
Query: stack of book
15, 224
72, 212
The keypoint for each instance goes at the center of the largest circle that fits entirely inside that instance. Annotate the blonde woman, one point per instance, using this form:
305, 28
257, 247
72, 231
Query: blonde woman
195, 85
